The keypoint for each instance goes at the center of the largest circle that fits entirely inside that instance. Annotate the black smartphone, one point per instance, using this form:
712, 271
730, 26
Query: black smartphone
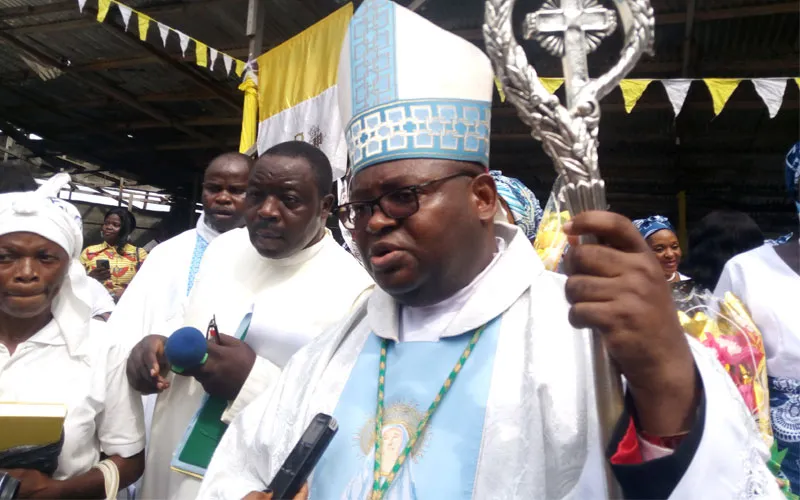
103, 264
304, 457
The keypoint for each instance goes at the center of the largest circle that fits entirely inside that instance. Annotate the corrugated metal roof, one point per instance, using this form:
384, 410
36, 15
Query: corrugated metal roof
730, 38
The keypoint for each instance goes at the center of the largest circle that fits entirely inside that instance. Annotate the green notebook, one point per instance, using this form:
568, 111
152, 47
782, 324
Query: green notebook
206, 429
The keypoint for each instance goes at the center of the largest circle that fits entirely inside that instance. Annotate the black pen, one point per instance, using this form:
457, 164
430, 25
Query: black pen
212, 329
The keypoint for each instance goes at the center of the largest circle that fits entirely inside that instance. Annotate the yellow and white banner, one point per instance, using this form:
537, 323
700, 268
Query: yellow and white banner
297, 92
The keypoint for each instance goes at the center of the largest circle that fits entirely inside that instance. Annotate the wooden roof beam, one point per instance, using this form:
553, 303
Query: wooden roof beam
222, 93
104, 87
203, 121
132, 62
101, 102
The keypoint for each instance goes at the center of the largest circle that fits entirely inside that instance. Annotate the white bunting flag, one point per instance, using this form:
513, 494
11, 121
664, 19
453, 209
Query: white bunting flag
771, 92
228, 60
676, 92
184, 39
213, 54
81, 4
126, 14
164, 32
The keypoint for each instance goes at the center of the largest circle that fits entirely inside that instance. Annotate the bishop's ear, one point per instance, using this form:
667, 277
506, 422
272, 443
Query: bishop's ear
484, 193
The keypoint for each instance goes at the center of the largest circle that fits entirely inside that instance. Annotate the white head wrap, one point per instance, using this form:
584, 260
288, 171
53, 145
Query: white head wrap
42, 212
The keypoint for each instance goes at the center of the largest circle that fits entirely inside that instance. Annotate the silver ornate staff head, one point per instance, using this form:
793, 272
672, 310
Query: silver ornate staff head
569, 29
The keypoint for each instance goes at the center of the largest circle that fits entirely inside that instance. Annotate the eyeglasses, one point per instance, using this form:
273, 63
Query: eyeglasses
398, 204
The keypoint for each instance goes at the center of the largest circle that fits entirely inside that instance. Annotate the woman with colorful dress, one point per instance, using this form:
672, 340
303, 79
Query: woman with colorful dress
115, 261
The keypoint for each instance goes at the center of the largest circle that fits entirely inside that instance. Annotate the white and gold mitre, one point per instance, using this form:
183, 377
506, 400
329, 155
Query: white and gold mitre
409, 89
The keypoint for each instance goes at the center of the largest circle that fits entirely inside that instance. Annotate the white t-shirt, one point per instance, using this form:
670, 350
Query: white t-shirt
102, 302
87, 374
771, 291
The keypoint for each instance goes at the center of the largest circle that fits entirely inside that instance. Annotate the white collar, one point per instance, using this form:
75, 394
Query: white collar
205, 231
305, 254
504, 282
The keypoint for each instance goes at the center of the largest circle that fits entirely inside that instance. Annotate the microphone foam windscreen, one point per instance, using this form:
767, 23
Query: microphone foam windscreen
186, 348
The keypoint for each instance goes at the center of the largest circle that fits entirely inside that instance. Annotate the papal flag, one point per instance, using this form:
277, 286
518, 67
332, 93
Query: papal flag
297, 94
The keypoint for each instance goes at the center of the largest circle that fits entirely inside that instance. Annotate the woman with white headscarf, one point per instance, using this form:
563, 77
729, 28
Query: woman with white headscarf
52, 351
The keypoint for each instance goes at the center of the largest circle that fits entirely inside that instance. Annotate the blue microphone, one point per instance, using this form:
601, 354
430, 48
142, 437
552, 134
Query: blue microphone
186, 349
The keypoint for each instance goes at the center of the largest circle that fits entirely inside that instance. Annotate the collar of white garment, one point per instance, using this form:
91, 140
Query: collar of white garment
302, 256
205, 231
489, 295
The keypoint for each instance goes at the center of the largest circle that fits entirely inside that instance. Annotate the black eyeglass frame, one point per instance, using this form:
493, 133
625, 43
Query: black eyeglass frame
342, 211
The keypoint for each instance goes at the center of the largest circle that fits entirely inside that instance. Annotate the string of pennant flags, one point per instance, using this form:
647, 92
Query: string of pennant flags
205, 56
770, 90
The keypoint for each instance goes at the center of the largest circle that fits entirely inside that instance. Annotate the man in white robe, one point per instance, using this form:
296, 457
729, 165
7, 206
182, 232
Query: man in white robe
156, 298
281, 282
514, 415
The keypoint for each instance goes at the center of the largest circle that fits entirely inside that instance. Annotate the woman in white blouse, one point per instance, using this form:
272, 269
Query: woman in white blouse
51, 351
767, 280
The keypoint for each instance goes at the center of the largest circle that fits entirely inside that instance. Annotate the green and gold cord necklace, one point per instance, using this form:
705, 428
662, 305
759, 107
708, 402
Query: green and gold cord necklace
379, 488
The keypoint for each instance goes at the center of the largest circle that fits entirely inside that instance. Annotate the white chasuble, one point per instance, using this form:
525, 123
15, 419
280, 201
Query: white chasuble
539, 432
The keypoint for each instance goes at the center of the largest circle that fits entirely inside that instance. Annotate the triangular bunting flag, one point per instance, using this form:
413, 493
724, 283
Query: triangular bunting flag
81, 4
125, 11
213, 54
552, 84
228, 60
102, 9
771, 92
721, 90
632, 90
239, 67
499, 87
201, 52
184, 39
144, 25
676, 93
164, 32
797, 81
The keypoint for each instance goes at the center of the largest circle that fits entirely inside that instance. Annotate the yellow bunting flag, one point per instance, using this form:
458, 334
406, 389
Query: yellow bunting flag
239, 67
721, 90
500, 89
102, 9
201, 51
797, 81
552, 84
144, 25
632, 90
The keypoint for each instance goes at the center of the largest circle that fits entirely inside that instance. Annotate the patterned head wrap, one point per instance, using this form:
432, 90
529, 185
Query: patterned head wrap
651, 225
525, 208
793, 171
42, 212
786, 238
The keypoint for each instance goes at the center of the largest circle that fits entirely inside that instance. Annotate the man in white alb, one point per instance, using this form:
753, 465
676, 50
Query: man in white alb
156, 298
270, 288
462, 376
